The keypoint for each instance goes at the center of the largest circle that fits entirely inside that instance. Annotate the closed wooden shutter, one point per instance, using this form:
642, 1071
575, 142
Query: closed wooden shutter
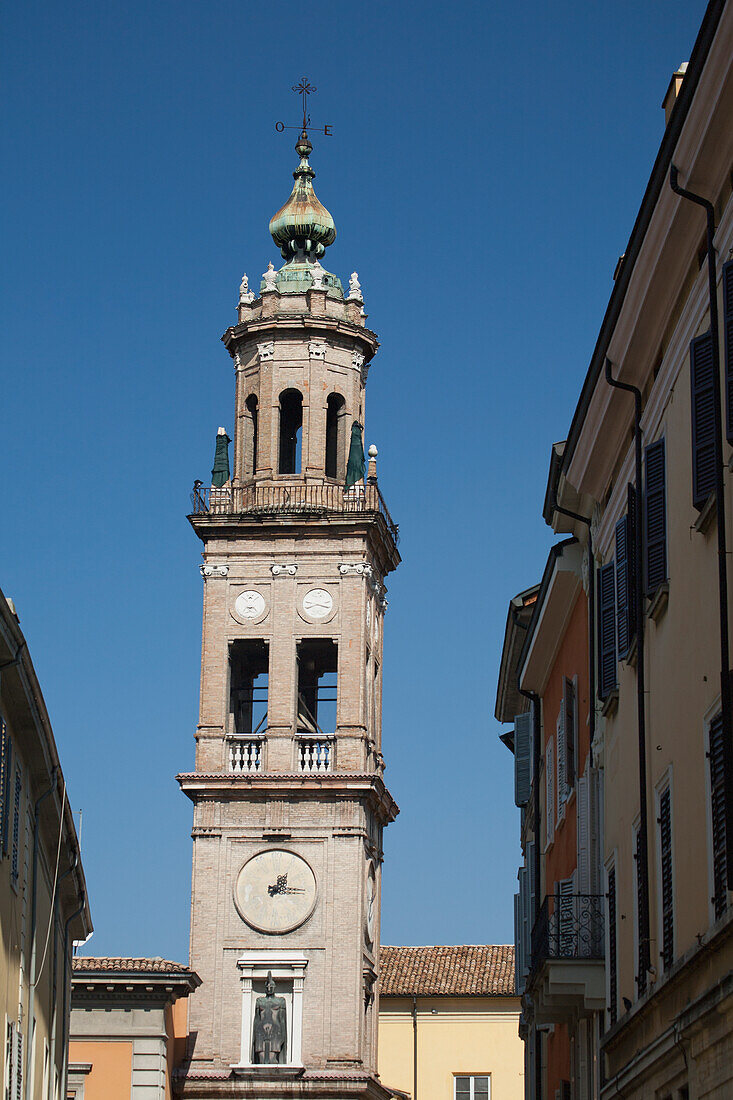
562, 776
717, 807
655, 516
606, 630
667, 891
5, 769
582, 810
626, 576
522, 757
612, 956
549, 791
702, 383
15, 840
571, 732
728, 343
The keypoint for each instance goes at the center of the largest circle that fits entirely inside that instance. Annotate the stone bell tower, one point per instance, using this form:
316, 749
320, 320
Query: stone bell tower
288, 789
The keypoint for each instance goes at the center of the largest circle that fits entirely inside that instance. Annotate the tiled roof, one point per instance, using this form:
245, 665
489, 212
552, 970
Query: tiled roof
90, 964
470, 970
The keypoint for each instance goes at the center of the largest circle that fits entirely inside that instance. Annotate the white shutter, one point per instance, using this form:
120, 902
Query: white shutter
550, 791
561, 763
584, 850
522, 757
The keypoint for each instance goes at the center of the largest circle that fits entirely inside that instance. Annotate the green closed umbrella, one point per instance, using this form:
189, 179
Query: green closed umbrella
355, 466
220, 473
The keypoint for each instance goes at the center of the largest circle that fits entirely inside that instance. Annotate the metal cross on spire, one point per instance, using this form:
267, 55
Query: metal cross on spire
304, 89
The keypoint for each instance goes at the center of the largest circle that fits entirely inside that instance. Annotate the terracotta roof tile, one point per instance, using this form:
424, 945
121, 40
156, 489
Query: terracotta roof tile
469, 970
91, 964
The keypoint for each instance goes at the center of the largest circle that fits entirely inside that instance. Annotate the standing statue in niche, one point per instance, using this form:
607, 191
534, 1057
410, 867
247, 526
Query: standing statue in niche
270, 1030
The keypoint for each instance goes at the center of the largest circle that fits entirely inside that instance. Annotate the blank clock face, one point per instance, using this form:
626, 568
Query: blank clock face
275, 891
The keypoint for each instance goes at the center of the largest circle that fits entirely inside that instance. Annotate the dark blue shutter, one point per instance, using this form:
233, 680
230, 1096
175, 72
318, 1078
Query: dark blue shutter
612, 963
702, 382
718, 819
728, 341
606, 630
655, 517
626, 576
665, 859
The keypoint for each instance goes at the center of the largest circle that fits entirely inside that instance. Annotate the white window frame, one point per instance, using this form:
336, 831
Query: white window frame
663, 785
472, 1078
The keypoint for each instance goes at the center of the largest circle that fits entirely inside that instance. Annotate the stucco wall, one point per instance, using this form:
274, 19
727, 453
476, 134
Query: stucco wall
110, 1077
474, 1035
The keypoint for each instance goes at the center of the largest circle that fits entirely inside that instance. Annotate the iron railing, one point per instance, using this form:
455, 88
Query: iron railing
569, 926
291, 500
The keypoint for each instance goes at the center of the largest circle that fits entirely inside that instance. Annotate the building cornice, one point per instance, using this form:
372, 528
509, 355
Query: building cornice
299, 324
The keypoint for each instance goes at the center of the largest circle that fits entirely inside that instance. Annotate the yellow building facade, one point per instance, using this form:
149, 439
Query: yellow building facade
448, 1023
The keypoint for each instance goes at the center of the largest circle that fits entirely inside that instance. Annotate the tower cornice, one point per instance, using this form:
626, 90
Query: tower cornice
299, 323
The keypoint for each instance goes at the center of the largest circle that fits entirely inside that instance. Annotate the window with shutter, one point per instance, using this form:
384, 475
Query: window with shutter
655, 516
638, 888
702, 384
561, 750
626, 576
571, 731
5, 765
728, 343
666, 883
717, 809
15, 844
612, 957
582, 812
606, 630
549, 791
518, 960
522, 757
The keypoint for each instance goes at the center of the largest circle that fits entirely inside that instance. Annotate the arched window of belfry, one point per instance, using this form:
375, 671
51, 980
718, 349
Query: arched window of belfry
251, 413
291, 429
335, 436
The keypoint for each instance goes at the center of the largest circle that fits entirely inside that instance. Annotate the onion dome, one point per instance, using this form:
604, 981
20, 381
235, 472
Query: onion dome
303, 227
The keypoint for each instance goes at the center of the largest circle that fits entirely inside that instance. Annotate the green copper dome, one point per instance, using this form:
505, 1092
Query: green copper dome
303, 228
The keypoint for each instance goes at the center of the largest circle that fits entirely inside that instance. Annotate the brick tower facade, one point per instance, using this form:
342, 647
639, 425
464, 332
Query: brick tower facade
288, 790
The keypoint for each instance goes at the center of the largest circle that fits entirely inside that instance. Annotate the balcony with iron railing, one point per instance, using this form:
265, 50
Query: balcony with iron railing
567, 972
292, 499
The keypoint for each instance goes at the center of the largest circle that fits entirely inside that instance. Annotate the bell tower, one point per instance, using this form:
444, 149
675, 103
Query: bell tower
288, 790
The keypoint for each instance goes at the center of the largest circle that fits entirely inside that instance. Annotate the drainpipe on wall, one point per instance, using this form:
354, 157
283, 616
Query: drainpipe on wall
67, 986
34, 920
642, 853
54, 988
414, 1047
537, 869
725, 687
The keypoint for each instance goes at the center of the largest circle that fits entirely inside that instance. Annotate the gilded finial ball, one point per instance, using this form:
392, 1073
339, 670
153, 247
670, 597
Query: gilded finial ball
372, 452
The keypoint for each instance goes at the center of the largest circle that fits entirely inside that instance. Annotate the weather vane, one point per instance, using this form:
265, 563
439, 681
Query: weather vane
304, 89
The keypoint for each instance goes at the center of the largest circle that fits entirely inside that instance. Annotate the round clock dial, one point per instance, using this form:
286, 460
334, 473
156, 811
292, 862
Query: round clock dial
318, 603
275, 891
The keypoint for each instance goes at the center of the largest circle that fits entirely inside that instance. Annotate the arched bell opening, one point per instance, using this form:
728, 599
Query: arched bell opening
335, 463
291, 432
251, 415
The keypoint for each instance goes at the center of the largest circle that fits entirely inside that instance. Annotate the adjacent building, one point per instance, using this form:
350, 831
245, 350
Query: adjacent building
43, 903
129, 1027
624, 914
448, 1019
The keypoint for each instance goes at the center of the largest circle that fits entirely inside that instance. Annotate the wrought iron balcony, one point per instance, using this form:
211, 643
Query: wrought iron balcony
569, 926
293, 499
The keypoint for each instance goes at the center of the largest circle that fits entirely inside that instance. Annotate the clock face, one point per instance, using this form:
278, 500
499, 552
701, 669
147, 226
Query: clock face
318, 603
275, 891
249, 605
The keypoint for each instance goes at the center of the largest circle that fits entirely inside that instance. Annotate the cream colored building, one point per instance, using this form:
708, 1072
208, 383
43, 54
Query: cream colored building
448, 1023
662, 733
43, 906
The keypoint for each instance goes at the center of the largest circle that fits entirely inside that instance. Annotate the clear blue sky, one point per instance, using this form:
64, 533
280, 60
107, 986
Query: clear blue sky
485, 170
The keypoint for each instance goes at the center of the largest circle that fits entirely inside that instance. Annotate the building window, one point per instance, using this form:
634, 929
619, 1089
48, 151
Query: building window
655, 516
291, 430
606, 630
317, 686
15, 845
251, 434
248, 683
335, 436
550, 791
717, 815
472, 1088
702, 383
626, 576
5, 769
664, 821
612, 947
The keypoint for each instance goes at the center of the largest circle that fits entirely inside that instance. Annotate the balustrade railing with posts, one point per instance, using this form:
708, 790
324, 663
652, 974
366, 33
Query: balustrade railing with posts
245, 754
315, 754
569, 926
296, 499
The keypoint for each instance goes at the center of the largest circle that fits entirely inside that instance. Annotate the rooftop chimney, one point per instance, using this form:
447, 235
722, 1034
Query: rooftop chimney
670, 97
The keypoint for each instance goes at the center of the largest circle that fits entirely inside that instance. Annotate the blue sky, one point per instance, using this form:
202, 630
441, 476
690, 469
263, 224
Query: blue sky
486, 167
